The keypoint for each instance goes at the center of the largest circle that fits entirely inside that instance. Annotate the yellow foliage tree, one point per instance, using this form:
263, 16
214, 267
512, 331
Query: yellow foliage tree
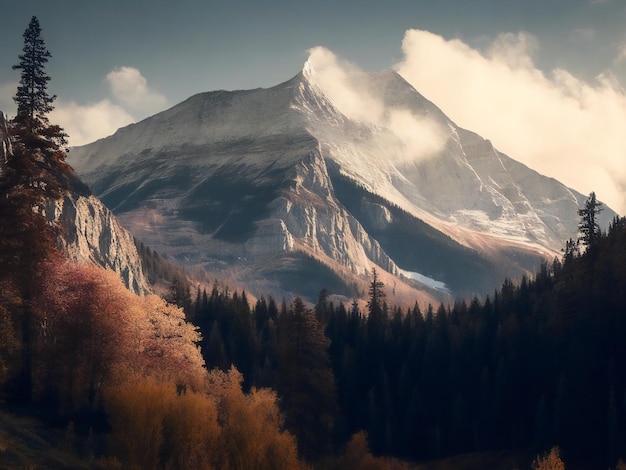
137, 412
191, 432
252, 436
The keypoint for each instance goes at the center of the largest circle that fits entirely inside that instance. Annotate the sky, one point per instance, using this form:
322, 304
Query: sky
542, 79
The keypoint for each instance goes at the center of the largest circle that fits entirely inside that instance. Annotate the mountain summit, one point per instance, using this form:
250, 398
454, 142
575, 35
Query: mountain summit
306, 185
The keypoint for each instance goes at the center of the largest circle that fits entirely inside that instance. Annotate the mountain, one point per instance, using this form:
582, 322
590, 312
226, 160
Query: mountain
89, 230
283, 191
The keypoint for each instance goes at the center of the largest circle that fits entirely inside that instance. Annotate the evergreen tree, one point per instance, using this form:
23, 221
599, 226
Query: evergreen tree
36, 168
376, 308
32, 98
304, 379
588, 227
33, 173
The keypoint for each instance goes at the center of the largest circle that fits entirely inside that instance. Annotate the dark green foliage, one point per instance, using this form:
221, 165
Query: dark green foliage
304, 379
33, 101
32, 98
159, 270
588, 227
531, 367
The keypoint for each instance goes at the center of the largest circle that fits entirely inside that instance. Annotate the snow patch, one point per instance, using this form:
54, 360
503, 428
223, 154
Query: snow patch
427, 281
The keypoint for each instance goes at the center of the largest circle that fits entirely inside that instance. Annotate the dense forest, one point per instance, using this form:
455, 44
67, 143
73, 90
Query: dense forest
537, 363
207, 380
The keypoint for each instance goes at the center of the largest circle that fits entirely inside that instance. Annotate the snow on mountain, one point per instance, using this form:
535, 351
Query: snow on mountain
290, 183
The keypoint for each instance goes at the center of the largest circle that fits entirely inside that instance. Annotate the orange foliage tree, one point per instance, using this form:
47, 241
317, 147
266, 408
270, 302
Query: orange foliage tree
92, 333
222, 427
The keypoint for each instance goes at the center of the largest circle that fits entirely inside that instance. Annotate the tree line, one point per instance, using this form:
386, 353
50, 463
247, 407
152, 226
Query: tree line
533, 365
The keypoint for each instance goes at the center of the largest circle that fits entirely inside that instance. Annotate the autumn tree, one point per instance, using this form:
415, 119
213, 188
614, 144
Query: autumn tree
252, 426
549, 461
92, 334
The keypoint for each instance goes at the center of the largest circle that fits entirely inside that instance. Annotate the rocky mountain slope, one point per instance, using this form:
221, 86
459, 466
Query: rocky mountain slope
90, 231
280, 189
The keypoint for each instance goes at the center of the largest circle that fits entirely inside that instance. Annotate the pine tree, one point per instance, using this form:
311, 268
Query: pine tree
32, 98
588, 227
377, 308
304, 379
32, 173
39, 159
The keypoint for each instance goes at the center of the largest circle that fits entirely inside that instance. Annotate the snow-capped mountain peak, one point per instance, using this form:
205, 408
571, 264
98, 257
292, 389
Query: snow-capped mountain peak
347, 171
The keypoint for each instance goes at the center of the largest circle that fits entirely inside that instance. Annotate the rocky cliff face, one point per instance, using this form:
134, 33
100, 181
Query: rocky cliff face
5, 141
89, 231
316, 219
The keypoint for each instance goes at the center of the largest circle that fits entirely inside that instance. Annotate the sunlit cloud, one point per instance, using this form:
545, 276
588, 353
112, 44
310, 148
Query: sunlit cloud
348, 88
131, 89
131, 97
84, 123
87, 123
556, 123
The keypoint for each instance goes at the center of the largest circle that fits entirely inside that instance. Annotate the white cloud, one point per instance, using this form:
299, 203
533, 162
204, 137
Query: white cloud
86, 123
556, 123
83, 123
131, 89
348, 88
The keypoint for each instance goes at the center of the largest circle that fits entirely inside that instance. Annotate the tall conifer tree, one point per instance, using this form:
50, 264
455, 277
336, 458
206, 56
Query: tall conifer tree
588, 227
33, 172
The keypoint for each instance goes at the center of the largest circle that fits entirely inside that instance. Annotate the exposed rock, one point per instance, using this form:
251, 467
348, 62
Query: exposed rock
5, 141
91, 233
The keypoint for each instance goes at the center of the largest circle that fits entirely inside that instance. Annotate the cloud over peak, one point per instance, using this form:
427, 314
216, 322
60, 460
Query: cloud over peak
349, 89
554, 122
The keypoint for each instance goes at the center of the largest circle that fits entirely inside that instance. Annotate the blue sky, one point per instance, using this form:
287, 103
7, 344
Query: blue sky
115, 62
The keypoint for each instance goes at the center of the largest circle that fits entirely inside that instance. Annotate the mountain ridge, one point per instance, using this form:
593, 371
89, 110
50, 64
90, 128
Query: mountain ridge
230, 180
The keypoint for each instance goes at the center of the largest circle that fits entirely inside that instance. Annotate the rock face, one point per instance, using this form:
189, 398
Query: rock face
89, 231
5, 141
248, 182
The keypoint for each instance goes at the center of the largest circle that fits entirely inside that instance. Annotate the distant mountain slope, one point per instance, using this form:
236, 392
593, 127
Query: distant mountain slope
240, 182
